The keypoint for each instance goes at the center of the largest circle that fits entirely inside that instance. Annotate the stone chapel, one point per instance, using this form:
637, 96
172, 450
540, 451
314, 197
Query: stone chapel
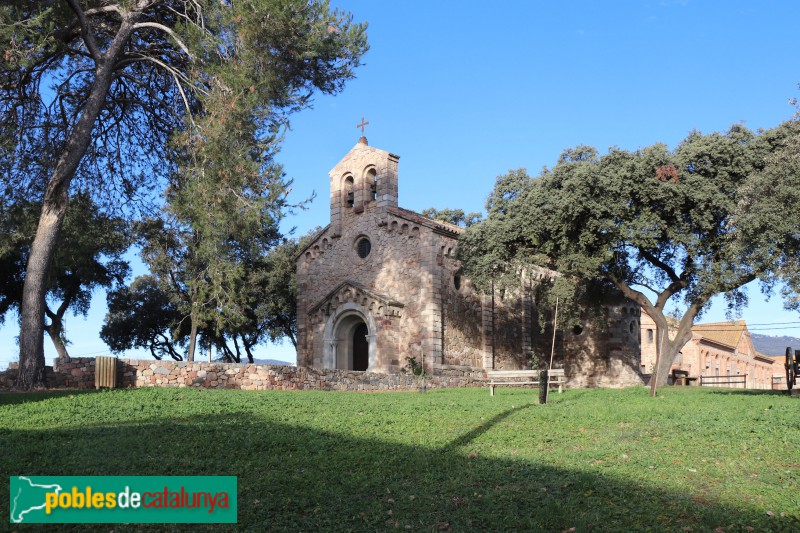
380, 284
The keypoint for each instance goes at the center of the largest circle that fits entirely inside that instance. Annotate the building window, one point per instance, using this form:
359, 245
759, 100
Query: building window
649, 336
457, 281
363, 247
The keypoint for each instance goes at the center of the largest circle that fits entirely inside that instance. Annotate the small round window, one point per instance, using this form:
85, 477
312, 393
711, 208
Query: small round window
363, 247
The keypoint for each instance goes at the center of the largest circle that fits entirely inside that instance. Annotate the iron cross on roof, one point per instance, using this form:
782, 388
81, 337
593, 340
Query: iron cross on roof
362, 125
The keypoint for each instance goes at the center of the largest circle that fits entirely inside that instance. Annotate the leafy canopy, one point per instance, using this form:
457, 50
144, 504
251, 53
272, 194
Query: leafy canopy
660, 225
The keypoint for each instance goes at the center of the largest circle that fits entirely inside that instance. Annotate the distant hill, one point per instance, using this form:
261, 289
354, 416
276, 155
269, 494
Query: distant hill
284, 363
769, 345
262, 362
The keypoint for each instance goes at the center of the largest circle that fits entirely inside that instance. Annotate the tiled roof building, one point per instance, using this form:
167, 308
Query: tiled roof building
716, 349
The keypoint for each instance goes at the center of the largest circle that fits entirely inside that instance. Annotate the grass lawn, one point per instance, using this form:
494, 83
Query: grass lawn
451, 460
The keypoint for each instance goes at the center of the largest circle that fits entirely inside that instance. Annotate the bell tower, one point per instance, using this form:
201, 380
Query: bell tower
365, 179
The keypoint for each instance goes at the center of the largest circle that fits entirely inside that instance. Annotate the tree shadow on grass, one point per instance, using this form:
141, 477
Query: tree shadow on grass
473, 434
16, 398
293, 478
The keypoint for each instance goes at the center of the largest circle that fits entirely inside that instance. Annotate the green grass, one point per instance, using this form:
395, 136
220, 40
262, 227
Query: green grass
450, 460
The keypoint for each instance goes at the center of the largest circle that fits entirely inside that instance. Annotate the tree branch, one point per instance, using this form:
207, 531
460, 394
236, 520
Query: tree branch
634, 295
655, 261
150, 92
86, 31
669, 292
166, 30
68, 296
51, 315
103, 9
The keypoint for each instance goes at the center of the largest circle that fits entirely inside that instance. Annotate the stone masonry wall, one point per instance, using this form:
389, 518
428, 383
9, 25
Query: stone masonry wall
78, 373
602, 357
508, 333
393, 268
462, 336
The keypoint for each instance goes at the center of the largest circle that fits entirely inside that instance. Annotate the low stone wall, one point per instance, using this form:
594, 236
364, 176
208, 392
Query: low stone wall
55, 380
9, 375
78, 373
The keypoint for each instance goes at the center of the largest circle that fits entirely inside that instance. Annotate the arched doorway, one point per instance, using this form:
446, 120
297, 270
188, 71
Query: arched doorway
350, 339
360, 347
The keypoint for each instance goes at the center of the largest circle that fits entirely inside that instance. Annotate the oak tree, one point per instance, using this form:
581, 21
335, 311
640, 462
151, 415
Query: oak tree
665, 227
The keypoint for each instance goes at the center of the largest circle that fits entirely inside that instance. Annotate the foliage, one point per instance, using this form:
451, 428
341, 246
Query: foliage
90, 256
143, 316
261, 287
166, 59
769, 217
653, 221
90, 94
458, 460
413, 367
276, 296
457, 217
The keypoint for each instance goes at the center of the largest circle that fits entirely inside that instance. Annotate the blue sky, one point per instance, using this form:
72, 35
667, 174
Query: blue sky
465, 91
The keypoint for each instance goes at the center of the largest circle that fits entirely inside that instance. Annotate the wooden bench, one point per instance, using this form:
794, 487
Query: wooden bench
557, 377
524, 377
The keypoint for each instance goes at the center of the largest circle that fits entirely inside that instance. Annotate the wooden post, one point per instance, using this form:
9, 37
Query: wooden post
552, 352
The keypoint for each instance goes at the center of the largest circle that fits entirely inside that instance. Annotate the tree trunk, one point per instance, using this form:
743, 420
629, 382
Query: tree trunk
668, 353
654, 378
192, 339
31, 336
55, 329
248, 347
54, 207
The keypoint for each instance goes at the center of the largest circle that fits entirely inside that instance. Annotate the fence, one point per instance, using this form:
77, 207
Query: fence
737, 381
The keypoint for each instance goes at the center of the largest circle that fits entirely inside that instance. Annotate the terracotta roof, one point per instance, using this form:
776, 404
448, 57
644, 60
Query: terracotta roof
772, 359
725, 333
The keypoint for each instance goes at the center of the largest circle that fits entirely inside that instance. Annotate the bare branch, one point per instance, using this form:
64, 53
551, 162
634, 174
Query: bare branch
103, 9
150, 92
86, 31
166, 30
178, 75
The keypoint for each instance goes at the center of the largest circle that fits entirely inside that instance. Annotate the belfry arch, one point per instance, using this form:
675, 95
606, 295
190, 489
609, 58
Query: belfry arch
343, 345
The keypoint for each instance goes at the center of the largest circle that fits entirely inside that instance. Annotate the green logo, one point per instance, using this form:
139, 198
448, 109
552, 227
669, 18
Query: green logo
123, 499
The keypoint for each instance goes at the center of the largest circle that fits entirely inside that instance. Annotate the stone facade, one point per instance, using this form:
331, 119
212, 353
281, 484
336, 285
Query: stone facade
393, 286
388, 275
78, 373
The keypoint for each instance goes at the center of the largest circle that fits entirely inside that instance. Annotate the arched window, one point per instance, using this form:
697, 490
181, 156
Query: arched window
371, 180
347, 191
